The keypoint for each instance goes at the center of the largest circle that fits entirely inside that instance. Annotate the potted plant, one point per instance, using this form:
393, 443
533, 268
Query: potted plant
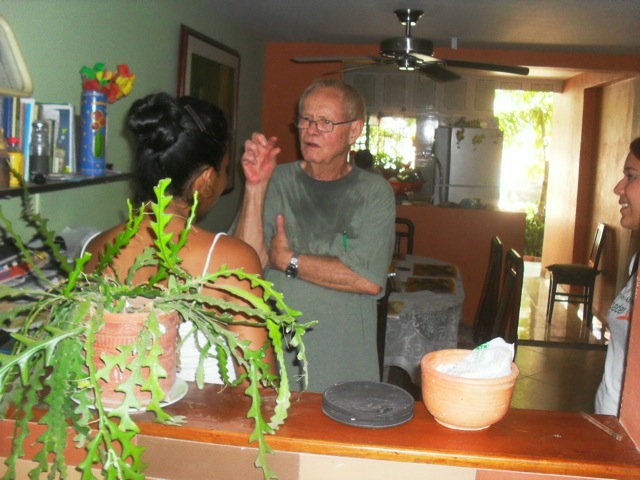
400, 175
53, 363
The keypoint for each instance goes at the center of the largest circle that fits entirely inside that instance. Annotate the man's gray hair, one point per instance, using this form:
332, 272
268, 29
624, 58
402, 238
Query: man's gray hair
354, 104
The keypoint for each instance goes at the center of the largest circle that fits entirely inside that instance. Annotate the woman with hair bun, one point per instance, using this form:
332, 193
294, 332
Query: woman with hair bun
184, 139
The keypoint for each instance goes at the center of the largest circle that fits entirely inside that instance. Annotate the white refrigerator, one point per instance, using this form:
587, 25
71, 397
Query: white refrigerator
469, 161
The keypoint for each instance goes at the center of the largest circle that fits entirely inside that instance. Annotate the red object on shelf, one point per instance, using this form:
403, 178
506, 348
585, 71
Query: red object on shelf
14, 271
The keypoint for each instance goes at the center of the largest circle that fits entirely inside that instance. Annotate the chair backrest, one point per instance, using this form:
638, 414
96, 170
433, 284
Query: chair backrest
508, 316
404, 229
596, 248
488, 306
383, 307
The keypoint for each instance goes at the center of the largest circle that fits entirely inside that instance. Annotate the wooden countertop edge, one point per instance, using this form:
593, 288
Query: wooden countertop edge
513, 463
219, 417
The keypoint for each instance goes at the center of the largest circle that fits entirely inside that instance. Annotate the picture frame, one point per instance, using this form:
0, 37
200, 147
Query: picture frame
209, 70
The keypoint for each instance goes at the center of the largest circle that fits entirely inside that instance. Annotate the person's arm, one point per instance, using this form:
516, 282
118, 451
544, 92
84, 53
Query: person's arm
330, 272
258, 163
326, 271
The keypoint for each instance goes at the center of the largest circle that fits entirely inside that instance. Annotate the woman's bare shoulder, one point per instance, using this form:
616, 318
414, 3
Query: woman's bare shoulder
235, 253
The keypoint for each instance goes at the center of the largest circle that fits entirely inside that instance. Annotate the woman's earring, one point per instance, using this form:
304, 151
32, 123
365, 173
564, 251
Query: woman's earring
206, 182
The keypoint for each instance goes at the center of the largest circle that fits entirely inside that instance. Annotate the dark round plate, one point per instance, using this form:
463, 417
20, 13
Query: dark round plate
368, 404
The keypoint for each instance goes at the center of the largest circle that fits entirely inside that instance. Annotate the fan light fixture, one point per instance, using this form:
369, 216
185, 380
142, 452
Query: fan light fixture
406, 63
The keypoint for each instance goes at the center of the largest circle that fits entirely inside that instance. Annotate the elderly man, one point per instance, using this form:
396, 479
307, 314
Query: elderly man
324, 232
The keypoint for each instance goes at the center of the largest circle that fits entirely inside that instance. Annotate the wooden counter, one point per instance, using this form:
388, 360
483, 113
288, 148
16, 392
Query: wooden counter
462, 237
213, 445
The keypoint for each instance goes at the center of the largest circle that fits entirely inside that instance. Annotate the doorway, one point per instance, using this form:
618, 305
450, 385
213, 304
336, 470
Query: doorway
525, 118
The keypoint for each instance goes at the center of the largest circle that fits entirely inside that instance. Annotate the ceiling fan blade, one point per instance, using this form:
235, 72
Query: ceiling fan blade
438, 73
350, 69
516, 70
334, 59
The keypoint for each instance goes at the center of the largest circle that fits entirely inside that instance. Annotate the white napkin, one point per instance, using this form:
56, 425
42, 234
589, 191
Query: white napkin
489, 360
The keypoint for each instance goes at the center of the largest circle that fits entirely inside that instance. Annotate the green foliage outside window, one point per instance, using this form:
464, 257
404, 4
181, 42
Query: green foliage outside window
533, 232
526, 122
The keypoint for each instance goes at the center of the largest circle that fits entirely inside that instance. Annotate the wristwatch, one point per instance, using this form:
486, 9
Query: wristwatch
292, 270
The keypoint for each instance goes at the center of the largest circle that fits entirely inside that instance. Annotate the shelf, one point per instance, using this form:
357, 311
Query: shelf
53, 185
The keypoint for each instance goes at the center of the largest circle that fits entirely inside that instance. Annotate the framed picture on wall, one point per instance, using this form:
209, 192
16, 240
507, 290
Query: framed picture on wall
210, 71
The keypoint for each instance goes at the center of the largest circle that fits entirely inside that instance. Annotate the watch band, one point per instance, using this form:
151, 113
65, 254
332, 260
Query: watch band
292, 269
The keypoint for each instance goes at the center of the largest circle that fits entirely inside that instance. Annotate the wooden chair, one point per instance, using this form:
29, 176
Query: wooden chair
488, 307
404, 230
577, 275
508, 314
383, 307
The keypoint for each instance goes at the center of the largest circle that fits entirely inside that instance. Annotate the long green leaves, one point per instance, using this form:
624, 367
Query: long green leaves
55, 331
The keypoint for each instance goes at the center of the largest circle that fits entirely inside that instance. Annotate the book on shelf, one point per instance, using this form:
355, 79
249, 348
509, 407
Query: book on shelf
61, 119
27, 115
9, 116
17, 115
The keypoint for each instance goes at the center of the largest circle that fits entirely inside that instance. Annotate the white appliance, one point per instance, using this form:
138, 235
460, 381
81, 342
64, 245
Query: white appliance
470, 161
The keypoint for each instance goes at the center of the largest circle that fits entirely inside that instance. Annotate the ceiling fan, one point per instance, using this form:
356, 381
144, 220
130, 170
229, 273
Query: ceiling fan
409, 53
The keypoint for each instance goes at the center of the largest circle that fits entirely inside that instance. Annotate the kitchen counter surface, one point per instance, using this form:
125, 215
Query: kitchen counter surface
524, 441
215, 438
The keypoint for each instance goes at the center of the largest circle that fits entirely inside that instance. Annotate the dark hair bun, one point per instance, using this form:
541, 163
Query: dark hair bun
155, 122
175, 142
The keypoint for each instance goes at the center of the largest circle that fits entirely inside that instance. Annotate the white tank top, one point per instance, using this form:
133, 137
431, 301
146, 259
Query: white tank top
189, 351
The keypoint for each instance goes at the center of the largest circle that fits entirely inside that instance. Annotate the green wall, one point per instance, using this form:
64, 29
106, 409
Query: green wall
58, 37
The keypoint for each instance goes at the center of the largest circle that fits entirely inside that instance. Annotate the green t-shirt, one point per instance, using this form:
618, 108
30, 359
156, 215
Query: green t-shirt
353, 219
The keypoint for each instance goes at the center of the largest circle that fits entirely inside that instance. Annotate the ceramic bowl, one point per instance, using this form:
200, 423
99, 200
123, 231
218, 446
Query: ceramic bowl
464, 403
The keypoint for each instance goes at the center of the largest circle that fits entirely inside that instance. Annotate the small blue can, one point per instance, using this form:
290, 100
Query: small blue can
93, 135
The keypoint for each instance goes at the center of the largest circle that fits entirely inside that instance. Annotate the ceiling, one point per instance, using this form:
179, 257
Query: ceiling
584, 26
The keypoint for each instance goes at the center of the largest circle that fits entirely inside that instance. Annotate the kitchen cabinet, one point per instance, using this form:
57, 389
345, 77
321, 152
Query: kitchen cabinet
392, 92
470, 97
389, 91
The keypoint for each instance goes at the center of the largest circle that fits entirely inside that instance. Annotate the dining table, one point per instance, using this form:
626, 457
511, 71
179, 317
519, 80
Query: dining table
425, 310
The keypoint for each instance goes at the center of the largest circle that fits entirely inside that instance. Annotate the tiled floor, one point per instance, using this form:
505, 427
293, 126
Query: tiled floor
561, 365
567, 325
557, 378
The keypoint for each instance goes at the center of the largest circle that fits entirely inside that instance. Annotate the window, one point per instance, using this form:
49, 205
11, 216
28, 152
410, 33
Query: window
391, 140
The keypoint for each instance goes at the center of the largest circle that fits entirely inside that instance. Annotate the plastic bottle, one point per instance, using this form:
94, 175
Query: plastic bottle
40, 151
16, 160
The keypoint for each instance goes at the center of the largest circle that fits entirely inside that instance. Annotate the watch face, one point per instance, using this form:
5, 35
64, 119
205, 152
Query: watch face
291, 271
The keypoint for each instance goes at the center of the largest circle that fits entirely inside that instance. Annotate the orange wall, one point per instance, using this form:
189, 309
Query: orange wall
285, 81
592, 126
615, 132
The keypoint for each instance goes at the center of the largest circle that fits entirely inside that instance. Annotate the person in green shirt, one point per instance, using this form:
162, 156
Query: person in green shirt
324, 231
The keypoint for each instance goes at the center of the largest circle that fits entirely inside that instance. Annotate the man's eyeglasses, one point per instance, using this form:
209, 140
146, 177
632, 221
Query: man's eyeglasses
325, 126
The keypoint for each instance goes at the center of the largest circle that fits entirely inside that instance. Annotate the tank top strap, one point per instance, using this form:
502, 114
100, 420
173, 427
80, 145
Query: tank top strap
211, 248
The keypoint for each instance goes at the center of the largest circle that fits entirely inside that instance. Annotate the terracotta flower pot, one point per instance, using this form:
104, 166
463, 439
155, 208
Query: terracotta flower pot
122, 329
464, 403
